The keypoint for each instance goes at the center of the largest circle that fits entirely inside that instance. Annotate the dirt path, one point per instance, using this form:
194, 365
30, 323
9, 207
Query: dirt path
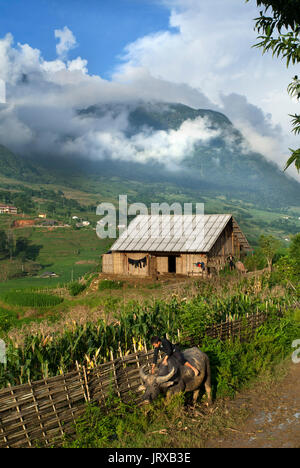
274, 420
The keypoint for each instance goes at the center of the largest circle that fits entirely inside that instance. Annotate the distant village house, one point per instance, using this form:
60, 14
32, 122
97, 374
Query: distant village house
49, 274
8, 209
49, 223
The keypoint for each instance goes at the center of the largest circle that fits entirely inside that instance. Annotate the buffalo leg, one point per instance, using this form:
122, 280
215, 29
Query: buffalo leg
208, 392
195, 396
207, 383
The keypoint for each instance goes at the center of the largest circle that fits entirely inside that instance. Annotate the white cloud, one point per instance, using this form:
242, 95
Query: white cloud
205, 61
167, 147
210, 50
78, 64
43, 97
2, 92
67, 41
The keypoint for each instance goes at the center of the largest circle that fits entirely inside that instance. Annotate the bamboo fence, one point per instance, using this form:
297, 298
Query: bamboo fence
42, 413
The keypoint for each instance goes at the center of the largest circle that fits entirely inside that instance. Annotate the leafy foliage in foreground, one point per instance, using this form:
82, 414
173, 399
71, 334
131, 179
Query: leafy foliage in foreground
48, 355
279, 28
234, 365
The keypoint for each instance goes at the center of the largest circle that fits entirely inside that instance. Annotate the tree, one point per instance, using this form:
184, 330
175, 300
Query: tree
295, 252
10, 243
3, 243
25, 250
23, 202
279, 29
268, 246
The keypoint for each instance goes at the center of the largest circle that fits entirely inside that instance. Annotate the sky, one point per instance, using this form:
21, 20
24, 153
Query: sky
60, 55
103, 28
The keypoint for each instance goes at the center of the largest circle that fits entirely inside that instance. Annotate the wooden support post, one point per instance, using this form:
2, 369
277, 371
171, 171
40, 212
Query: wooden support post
81, 382
136, 356
115, 374
86, 384
124, 368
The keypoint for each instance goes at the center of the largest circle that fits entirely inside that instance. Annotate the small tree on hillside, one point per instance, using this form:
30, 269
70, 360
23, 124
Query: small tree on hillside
295, 252
10, 243
268, 246
3, 243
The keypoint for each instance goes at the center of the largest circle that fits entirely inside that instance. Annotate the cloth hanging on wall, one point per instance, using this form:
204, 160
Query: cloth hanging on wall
200, 265
142, 263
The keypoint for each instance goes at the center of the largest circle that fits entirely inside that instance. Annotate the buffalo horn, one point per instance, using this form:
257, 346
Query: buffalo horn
142, 374
164, 378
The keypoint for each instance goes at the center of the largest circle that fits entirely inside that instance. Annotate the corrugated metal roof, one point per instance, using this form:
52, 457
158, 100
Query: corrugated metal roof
175, 233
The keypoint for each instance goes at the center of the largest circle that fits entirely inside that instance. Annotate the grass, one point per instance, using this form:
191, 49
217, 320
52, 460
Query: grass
31, 299
76, 288
109, 284
163, 425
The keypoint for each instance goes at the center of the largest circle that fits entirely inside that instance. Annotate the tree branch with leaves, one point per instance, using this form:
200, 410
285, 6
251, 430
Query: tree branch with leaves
278, 27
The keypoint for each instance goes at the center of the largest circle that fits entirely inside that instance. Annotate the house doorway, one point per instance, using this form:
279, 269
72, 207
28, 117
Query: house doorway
172, 264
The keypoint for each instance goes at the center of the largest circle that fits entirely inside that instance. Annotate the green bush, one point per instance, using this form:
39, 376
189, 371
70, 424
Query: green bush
30, 299
102, 427
76, 288
110, 284
236, 364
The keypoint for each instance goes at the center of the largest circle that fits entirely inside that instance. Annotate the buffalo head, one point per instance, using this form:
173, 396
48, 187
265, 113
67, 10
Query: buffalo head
154, 384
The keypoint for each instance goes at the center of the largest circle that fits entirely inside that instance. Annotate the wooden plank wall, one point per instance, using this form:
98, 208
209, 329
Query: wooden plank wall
162, 264
188, 264
108, 263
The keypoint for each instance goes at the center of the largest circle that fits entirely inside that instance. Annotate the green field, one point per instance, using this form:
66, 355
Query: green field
67, 252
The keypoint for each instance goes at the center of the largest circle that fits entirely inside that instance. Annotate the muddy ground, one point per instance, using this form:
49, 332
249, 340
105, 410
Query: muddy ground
274, 420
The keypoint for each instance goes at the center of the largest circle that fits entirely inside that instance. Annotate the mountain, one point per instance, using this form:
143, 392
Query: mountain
37, 170
16, 167
223, 166
219, 166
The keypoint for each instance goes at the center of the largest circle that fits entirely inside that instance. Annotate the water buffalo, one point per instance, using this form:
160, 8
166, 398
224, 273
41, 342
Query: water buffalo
175, 377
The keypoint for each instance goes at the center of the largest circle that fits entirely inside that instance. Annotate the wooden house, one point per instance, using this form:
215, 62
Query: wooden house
154, 245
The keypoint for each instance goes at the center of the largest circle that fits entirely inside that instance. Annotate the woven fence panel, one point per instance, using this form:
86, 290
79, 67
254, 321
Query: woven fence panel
42, 413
